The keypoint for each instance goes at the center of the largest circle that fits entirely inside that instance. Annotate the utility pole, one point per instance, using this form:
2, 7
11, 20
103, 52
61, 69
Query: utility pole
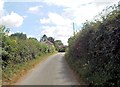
119, 5
73, 29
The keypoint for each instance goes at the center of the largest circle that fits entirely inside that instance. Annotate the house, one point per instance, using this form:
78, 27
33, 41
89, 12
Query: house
45, 40
48, 42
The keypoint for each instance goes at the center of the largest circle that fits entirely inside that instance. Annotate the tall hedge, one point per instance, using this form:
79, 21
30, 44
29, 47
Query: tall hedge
94, 53
18, 50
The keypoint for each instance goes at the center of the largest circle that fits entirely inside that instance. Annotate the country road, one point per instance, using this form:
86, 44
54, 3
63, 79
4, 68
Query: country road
53, 71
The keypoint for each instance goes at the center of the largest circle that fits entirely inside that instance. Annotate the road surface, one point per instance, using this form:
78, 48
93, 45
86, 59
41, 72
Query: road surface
53, 71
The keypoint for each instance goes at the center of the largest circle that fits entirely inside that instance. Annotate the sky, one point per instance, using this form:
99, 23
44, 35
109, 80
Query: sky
51, 17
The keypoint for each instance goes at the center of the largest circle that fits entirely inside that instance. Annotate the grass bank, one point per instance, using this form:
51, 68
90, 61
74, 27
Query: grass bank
13, 72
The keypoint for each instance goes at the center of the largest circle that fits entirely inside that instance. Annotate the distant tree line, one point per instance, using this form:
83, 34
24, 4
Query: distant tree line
59, 46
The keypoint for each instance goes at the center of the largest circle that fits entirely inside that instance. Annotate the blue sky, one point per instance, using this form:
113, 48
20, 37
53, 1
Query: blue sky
31, 25
51, 17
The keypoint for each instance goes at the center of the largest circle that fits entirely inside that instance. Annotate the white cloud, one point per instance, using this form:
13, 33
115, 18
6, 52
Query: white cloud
60, 27
81, 10
62, 23
77, 11
86, 13
1, 8
55, 19
77, 3
12, 20
34, 9
58, 19
10, 32
67, 3
63, 2
28, 36
58, 32
25, 17
44, 21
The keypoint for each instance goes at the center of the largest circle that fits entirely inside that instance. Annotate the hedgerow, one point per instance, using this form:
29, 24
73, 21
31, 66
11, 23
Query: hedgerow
17, 50
94, 52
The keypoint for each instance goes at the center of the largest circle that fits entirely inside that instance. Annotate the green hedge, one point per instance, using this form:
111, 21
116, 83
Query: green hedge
16, 50
18, 54
94, 53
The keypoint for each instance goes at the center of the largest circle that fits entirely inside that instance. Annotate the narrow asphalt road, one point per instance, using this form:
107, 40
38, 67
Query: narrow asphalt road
53, 71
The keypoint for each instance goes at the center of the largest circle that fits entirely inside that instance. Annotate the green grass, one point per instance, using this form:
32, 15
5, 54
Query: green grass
13, 72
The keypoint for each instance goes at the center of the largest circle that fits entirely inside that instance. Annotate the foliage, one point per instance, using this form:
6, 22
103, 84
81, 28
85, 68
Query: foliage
57, 43
19, 35
62, 49
18, 49
44, 38
94, 53
4, 30
51, 39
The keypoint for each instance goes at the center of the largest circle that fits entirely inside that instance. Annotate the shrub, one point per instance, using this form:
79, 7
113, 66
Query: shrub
94, 53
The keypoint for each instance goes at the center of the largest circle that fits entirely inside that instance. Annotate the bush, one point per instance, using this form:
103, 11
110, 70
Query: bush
94, 53
18, 50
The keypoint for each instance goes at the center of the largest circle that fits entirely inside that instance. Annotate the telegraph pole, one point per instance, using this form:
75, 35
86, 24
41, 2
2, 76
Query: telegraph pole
119, 5
73, 29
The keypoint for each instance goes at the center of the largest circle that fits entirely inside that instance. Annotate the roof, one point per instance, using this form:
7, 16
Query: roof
48, 42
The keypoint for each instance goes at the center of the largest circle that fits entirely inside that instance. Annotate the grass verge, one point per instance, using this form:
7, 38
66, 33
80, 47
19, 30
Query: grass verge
13, 73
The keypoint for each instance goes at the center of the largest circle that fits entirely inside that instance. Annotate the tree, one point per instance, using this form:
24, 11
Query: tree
19, 35
51, 39
58, 44
4, 30
32, 38
44, 38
